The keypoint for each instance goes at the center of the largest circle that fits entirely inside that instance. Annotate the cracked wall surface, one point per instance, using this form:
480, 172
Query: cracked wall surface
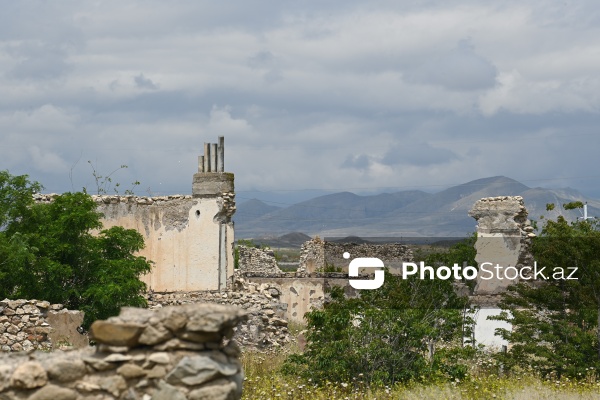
188, 239
181, 236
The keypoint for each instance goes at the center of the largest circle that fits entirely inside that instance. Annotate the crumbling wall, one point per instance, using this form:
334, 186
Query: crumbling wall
503, 237
252, 259
27, 325
318, 255
267, 324
174, 353
312, 256
189, 239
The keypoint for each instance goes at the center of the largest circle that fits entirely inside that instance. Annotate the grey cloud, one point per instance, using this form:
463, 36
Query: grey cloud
39, 61
266, 61
418, 154
144, 83
360, 162
461, 69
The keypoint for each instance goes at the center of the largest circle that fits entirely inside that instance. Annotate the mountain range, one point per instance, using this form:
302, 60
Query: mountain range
412, 213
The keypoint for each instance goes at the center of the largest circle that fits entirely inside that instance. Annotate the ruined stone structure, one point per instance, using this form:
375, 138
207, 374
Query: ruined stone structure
503, 237
318, 255
267, 324
188, 238
27, 325
174, 353
252, 259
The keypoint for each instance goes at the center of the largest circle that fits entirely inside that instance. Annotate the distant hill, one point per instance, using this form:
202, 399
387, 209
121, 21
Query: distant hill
406, 213
294, 239
251, 209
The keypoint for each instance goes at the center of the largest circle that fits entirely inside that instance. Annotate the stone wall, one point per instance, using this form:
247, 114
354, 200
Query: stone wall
312, 256
173, 353
27, 325
252, 259
504, 237
189, 239
266, 327
318, 255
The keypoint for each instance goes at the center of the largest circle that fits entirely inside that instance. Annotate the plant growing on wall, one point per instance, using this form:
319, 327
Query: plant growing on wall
58, 252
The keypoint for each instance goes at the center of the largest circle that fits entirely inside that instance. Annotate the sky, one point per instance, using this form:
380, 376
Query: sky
312, 97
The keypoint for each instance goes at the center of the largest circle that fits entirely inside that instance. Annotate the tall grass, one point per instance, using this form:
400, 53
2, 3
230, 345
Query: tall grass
264, 380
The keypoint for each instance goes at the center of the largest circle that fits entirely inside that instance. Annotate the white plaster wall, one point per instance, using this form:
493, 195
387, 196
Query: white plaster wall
181, 237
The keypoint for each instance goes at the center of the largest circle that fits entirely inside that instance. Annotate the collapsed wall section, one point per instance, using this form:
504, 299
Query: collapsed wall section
318, 255
255, 260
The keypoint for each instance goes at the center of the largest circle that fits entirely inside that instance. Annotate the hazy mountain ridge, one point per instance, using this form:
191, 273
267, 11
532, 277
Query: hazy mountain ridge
405, 213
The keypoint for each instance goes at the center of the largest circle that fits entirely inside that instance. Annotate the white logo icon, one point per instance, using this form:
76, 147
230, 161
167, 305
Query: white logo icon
367, 262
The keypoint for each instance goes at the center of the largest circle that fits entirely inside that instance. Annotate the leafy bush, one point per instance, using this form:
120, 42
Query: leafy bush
555, 322
407, 330
50, 252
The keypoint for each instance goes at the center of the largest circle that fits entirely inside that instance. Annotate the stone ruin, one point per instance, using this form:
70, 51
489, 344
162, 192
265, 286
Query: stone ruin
266, 327
27, 325
257, 261
188, 237
504, 236
318, 255
173, 353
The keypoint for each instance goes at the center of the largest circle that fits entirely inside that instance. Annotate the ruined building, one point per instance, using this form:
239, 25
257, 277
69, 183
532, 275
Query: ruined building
189, 238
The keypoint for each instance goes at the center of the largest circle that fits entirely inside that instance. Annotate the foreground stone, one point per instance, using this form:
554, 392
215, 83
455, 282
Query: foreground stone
179, 352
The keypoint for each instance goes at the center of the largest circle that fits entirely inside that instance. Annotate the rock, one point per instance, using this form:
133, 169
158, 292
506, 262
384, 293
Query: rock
65, 370
167, 392
29, 375
155, 334
113, 384
159, 358
53, 392
221, 390
5, 374
115, 358
115, 333
129, 371
196, 370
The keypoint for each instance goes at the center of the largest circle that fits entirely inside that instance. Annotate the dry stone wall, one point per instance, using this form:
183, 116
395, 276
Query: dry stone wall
175, 353
252, 259
25, 325
266, 327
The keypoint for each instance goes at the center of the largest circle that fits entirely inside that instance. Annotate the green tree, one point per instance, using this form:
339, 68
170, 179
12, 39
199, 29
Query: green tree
58, 252
555, 322
406, 330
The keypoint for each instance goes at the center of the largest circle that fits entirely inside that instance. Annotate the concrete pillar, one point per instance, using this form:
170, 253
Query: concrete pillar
206, 157
200, 163
221, 155
213, 157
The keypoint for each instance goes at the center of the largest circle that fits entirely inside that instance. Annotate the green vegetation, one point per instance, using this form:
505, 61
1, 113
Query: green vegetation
407, 330
265, 380
50, 252
556, 322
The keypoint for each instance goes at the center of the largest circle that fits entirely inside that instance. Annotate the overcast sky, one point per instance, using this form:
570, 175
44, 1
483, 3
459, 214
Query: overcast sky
333, 95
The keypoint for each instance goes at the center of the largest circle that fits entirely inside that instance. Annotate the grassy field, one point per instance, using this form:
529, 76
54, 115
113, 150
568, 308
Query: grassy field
264, 380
